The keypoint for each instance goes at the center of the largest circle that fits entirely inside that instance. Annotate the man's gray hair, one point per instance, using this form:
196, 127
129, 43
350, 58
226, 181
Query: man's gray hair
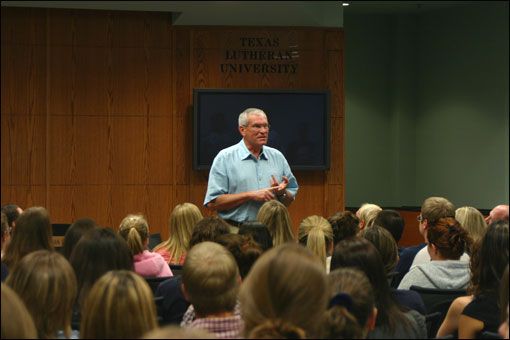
243, 117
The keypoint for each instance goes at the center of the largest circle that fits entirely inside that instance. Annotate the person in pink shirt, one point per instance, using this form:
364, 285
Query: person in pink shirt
135, 230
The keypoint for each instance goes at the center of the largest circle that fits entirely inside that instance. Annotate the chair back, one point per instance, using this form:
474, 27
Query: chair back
437, 302
154, 240
155, 281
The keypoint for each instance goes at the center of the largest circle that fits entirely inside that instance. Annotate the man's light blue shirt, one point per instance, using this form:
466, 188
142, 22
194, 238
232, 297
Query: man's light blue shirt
235, 170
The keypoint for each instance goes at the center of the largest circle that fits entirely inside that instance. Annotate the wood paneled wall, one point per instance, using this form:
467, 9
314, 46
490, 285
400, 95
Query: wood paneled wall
96, 110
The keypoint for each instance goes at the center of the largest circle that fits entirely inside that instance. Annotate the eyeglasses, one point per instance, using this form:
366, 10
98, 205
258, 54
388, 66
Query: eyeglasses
419, 218
259, 127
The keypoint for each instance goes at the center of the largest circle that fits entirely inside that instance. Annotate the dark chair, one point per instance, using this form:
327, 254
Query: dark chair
154, 240
437, 302
176, 269
490, 335
155, 281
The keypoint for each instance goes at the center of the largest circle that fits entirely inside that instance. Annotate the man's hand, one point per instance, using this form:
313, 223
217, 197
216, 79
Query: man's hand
279, 188
264, 195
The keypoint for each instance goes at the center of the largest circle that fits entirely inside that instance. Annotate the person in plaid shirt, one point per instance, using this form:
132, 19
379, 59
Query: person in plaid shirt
210, 282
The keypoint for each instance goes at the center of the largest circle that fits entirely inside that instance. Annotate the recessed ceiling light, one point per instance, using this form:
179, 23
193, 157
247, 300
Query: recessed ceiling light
345, 4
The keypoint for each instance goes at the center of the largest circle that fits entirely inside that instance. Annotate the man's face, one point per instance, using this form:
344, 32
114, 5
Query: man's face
257, 131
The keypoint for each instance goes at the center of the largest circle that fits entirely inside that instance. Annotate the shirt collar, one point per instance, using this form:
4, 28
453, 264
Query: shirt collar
246, 154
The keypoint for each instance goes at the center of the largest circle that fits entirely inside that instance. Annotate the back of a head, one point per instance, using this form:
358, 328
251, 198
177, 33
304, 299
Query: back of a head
208, 229
33, 232
259, 232
120, 305
287, 283
503, 295
178, 332
384, 243
244, 249
5, 229
275, 216
391, 221
345, 224
42, 279
434, 208
316, 234
352, 303
135, 230
367, 214
450, 239
16, 320
12, 211
489, 259
361, 254
97, 252
472, 220
182, 221
79, 228
210, 278
277, 329
498, 213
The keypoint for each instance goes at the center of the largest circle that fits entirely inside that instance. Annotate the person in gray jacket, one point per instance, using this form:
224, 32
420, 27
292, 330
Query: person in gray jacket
447, 241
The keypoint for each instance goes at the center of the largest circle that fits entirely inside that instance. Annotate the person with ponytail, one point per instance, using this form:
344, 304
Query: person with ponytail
316, 234
135, 230
351, 312
447, 241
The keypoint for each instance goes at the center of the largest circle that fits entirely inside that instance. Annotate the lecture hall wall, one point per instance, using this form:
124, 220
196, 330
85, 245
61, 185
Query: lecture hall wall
96, 110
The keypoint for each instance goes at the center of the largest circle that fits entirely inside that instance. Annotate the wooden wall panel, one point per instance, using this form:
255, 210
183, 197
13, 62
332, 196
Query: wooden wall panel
23, 26
160, 151
26, 195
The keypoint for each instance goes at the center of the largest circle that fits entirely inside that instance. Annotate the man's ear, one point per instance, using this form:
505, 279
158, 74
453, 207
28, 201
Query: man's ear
242, 130
184, 292
372, 318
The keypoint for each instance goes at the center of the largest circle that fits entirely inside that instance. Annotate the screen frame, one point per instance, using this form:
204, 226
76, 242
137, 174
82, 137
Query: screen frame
326, 122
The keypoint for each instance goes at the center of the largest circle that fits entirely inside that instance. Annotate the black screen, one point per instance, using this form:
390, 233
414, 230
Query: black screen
299, 124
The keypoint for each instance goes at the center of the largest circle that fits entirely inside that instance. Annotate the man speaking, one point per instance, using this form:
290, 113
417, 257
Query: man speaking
249, 173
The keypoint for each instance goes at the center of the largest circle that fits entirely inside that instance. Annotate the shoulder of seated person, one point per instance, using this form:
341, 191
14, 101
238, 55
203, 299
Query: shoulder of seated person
461, 302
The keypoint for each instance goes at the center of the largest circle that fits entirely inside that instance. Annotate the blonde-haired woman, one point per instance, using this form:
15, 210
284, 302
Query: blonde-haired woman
120, 305
473, 221
181, 223
46, 283
16, 320
316, 234
285, 294
367, 214
135, 230
275, 216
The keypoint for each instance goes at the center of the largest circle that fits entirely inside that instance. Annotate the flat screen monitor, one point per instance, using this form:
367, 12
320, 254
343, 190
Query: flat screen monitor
299, 120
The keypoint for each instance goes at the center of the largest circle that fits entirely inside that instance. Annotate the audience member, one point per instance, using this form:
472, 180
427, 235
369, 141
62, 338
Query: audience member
135, 230
182, 220
33, 232
345, 224
46, 283
6, 233
393, 320
385, 244
120, 305
210, 282
97, 252
16, 320
498, 213
316, 234
367, 214
244, 249
472, 220
487, 264
447, 241
275, 216
79, 228
391, 221
432, 209
285, 294
503, 329
12, 211
259, 232
351, 313
174, 305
